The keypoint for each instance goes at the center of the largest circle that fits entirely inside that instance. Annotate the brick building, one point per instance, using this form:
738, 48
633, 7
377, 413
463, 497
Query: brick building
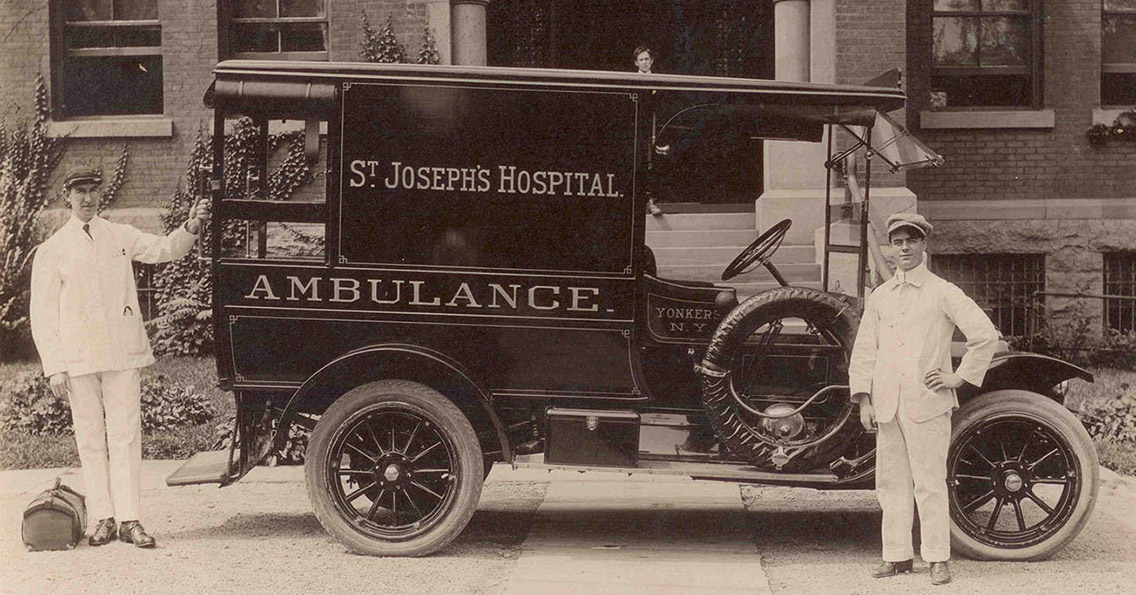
1004, 89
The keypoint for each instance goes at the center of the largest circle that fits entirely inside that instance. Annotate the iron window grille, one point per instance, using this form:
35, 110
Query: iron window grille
106, 58
1004, 285
1118, 52
986, 53
1120, 280
274, 29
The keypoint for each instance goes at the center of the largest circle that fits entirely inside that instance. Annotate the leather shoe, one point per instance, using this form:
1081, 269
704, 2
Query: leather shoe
132, 532
104, 533
887, 569
940, 573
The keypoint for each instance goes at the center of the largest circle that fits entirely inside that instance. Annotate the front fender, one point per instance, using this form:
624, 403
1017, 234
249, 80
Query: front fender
1029, 371
405, 362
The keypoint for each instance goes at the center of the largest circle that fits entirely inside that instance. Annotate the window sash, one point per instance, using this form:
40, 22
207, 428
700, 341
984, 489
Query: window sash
1034, 60
232, 23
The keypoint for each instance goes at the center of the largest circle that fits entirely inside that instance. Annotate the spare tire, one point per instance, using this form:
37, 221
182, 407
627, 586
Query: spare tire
832, 322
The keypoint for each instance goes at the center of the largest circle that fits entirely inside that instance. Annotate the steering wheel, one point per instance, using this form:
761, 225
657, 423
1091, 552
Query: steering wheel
759, 252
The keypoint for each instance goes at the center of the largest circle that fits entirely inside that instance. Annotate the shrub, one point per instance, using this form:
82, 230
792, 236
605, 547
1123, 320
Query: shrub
382, 46
1113, 420
31, 408
27, 158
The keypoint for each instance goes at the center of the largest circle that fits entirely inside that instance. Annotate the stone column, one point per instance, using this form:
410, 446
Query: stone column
791, 34
793, 170
467, 26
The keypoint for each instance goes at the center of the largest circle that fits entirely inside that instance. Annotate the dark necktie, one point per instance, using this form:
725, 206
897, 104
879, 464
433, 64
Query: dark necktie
87, 229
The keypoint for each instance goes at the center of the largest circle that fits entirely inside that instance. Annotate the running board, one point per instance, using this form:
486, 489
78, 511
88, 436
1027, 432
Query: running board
735, 472
211, 466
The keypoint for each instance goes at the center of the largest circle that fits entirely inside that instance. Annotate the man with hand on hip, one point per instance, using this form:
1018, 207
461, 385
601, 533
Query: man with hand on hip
87, 327
901, 377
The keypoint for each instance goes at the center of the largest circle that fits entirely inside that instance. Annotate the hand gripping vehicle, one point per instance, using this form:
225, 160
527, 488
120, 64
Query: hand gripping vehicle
480, 291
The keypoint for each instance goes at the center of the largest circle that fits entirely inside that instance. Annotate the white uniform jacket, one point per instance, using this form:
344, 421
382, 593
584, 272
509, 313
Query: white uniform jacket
84, 304
906, 332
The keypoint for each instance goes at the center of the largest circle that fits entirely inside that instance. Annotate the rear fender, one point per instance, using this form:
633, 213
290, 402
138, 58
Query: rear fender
1028, 371
404, 362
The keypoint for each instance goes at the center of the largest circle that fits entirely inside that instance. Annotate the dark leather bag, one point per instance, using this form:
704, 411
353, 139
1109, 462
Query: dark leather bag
55, 519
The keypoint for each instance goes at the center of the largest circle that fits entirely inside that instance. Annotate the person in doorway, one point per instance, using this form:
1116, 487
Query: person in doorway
901, 376
88, 330
644, 60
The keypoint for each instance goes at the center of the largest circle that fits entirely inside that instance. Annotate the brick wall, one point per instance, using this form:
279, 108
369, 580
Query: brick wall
189, 51
989, 164
870, 40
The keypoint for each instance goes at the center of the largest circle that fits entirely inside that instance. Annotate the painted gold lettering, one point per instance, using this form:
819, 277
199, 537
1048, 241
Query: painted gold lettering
312, 285
338, 290
261, 285
578, 299
554, 304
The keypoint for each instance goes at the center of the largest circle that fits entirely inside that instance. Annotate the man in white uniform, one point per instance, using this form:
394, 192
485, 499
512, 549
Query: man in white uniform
902, 379
88, 330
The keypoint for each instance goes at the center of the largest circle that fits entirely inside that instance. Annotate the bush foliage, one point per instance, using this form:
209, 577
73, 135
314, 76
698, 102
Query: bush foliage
31, 408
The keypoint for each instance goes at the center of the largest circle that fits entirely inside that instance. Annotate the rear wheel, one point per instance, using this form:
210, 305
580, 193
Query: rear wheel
1022, 477
394, 469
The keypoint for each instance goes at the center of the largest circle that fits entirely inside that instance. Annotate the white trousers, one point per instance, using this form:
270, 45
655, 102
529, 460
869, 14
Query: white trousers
911, 468
107, 416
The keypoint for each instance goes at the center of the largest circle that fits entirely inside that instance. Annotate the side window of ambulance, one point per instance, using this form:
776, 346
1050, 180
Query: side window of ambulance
274, 206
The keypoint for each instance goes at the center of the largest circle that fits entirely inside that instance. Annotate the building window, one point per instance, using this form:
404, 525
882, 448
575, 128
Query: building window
107, 58
986, 53
279, 29
1120, 280
1004, 285
1118, 52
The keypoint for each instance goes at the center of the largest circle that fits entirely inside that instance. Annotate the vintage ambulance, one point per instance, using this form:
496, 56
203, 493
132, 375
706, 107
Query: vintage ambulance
478, 290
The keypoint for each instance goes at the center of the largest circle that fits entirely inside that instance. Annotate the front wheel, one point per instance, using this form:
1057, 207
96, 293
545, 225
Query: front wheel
394, 469
1022, 477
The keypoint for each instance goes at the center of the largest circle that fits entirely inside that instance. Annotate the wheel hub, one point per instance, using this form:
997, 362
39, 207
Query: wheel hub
393, 471
1013, 482
1010, 479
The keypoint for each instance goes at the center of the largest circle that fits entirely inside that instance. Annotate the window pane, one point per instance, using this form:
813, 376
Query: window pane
1008, 90
135, 10
1120, 4
113, 85
1118, 88
1118, 45
89, 10
255, 38
1006, 41
955, 5
303, 38
301, 8
244, 9
1005, 5
140, 37
89, 37
956, 39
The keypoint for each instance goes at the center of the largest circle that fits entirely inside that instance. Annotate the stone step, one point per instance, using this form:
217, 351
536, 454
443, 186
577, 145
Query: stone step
794, 273
722, 255
701, 238
702, 221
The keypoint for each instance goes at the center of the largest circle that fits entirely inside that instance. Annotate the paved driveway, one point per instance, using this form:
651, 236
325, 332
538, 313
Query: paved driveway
543, 532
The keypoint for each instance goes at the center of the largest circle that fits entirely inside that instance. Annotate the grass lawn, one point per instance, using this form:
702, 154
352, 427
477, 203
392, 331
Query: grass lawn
23, 451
